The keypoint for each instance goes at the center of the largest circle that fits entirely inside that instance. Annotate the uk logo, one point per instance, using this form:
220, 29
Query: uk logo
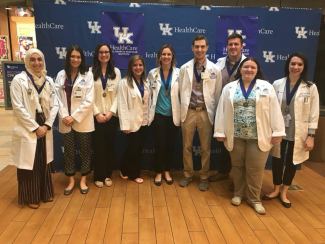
230, 32
204, 7
134, 5
274, 9
197, 150
165, 30
301, 33
95, 28
61, 51
60, 2
269, 57
124, 36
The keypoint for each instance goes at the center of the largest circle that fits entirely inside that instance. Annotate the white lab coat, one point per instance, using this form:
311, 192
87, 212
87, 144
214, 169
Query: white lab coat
154, 76
268, 115
306, 115
129, 106
221, 62
211, 88
108, 103
24, 140
81, 110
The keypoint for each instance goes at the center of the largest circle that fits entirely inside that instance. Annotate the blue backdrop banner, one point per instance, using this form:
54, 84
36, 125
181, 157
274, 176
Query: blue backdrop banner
125, 34
280, 32
246, 26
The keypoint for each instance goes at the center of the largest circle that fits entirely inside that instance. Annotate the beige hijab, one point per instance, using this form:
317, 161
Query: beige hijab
39, 77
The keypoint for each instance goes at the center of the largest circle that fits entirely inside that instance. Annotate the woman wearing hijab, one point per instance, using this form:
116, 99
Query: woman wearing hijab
75, 90
35, 107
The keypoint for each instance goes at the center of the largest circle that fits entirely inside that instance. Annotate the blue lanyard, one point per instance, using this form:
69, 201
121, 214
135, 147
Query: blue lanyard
140, 86
104, 79
289, 95
33, 82
243, 90
167, 81
230, 71
197, 76
70, 83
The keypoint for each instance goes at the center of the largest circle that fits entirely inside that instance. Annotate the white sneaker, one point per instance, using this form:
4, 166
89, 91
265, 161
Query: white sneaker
236, 201
108, 182
258, 207
99, 184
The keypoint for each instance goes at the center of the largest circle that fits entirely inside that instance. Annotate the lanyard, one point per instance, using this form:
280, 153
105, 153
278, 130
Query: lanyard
289, 95
230, 71
197, 76
167, 81
243, 90
104, 79
32, 79
70, 83
140, 86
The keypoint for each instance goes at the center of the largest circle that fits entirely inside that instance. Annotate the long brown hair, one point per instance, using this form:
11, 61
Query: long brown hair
97, 69
129, 73
158, 62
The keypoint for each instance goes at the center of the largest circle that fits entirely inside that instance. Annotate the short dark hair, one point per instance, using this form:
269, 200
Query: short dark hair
83, 67
129, 73
97, 69
235, 35
259, 74
158, 62
304, 73
200, 37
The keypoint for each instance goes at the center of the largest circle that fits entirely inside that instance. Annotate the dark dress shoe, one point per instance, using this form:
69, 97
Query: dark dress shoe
157, 183
169, 182
265, 197
285, 204
68, 192
84, 191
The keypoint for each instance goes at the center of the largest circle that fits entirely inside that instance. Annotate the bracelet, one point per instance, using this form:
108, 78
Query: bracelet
311, 135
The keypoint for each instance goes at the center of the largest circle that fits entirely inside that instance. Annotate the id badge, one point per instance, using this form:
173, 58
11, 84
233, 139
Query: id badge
287, 119
77, 94
154, 84
204, 75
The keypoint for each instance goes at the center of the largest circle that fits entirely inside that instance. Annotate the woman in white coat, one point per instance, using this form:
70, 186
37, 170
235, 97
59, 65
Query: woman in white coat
35, 107
248, 121
299, 101
164, 110
133, 109
106, 79
75, 90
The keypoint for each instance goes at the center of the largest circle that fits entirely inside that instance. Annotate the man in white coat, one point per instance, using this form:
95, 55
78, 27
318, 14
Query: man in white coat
200, 87
228, 66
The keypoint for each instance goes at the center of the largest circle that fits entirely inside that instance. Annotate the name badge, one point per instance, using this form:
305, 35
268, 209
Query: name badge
154, 84
204, 75
212, 75
110, 86
77, 94
264, 93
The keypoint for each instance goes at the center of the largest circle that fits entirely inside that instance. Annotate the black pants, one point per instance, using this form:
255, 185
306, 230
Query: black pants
103, 139
225, 160
131, 165
165, 135
277, 165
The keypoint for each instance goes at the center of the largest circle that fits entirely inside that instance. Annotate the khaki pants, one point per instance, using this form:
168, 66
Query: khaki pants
248, 163
200, 120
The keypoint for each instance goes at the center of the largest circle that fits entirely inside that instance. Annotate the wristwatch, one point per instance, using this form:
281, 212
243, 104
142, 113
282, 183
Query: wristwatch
311, 135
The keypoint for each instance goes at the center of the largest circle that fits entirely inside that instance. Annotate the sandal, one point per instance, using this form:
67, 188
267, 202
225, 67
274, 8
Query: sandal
123, 177
50, 199
33, 205
138, 180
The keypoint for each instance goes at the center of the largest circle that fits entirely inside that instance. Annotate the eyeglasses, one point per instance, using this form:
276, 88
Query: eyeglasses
104, 52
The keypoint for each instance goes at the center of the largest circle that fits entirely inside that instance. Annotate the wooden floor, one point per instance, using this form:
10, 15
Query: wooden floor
132, 213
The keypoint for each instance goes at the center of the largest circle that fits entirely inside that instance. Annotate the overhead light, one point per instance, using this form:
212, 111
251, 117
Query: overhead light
8, 8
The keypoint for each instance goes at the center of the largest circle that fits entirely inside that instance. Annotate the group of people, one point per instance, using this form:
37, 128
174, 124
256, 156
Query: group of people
250, 116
